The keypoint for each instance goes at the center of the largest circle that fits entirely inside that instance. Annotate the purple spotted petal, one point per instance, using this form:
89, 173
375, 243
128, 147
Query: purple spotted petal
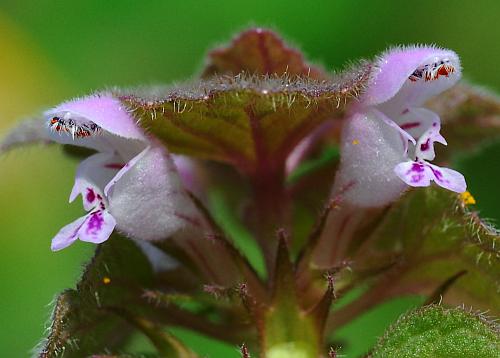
97, 227
104, 110
67, 235
408, 76
415, 174
420, 174
91, 177
425, 144
448, 178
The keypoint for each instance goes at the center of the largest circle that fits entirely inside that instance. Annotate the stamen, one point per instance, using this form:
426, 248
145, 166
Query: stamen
425, 146
431, 72
77, 130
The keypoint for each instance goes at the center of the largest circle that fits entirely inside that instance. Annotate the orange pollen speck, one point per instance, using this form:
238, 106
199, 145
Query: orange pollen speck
106, 280
467, 198
443, 71
355, 142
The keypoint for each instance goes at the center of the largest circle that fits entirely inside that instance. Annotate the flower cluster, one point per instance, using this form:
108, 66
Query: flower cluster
133, 184
388, 140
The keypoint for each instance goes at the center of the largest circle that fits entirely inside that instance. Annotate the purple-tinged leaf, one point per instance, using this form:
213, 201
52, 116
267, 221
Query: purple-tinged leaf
438, 236
229, 255
82, 323
251, 122
283, 276
119, 287
319, 313
259, 51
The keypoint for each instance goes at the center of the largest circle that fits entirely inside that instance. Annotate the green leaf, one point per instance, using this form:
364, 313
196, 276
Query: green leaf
434, 331
259, 51
83, 320
435, 237
250, 122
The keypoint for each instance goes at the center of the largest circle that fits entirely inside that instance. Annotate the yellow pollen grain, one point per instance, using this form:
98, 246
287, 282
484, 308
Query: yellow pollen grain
467, 198
106, 280
355, 142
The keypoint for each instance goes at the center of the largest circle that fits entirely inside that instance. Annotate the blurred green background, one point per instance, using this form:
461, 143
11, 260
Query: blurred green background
55, 50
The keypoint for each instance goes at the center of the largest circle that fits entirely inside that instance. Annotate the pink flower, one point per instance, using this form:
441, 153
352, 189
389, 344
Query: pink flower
389, 138
130, 183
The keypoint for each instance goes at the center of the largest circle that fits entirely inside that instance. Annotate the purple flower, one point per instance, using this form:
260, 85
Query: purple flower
130, 183
389, 137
